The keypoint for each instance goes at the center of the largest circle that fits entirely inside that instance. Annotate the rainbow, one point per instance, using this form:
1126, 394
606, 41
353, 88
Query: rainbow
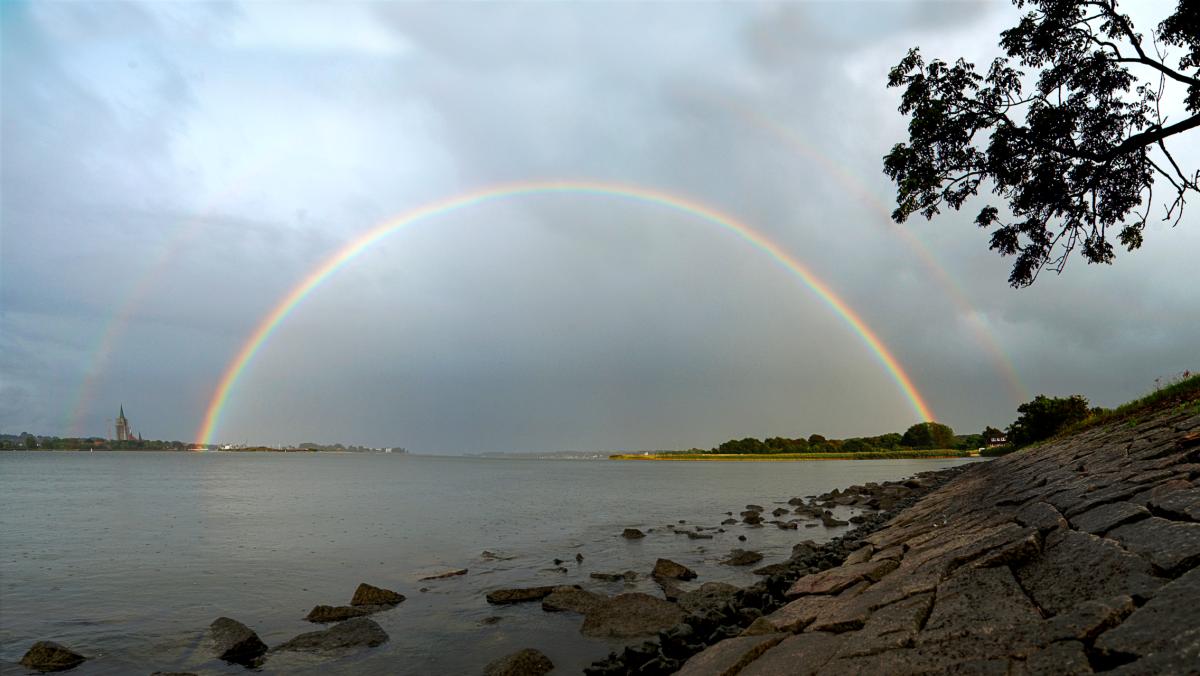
756, 118
349, 252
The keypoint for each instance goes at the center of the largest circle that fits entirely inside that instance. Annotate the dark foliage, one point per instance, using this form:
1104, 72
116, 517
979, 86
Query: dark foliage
928, 435
1045, 416
1074, 152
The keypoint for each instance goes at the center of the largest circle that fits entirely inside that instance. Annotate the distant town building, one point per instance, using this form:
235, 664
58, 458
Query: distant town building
124, 431
997, 439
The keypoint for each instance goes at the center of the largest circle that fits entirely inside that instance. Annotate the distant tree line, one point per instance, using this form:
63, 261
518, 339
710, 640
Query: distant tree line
926, 435
31, 442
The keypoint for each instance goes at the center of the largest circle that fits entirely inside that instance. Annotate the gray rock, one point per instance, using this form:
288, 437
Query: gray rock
527, 662
324, 614
708, 595
1080, 567
631, 615
447, 574
742, 557
1181, 504
1104, 518
1150, 628
730, 656
367, 595
234, 642
524, 594
1172, 546
632, 534
980, 598
51, 656
573, 600
668, 569
1178, 657
627, 576
357, 633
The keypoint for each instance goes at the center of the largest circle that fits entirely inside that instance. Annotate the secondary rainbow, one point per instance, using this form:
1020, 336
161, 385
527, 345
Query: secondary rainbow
341, 258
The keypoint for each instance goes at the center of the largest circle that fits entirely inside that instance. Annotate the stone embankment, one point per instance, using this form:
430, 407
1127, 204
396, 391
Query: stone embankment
1075, 557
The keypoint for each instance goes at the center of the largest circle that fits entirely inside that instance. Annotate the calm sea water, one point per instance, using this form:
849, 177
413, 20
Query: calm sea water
127, 557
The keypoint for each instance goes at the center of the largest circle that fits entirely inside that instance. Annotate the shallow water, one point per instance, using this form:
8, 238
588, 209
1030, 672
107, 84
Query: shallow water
128, 556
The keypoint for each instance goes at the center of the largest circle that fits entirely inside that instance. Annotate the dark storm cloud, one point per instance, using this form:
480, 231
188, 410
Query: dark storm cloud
220, 152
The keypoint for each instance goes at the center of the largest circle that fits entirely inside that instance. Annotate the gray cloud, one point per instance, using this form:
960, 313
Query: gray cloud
210, 156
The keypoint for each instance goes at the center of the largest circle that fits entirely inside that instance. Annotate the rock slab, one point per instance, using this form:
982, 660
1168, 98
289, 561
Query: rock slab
631, 615
359, 632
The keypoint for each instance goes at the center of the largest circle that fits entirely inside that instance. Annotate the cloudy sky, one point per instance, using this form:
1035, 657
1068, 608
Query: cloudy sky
171, 170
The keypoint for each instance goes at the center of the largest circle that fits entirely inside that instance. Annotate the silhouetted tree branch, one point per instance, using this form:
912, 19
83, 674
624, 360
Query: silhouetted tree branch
1071, 158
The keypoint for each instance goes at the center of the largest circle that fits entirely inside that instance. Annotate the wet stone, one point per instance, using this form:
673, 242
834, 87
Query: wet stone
235, 642
357, 633
524, 594
527, 662
573, 600
368, 595
708, 595
631, 615
51, 656
668, 569
323, 614
1102, 519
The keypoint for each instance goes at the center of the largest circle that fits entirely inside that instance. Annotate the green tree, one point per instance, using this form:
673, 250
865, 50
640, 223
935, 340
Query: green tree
928, 435
816, 440
1044, 417
30, 441
1073, 153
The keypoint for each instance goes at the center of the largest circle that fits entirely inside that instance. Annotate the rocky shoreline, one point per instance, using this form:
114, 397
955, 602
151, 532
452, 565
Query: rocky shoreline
1078, 556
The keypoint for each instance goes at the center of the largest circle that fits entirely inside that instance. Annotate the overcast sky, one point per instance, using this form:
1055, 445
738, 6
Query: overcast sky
171, 170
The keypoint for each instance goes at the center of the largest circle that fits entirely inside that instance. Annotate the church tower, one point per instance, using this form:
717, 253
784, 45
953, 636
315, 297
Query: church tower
124, 433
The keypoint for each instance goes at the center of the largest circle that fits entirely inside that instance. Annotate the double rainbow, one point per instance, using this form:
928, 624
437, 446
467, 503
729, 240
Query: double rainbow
348, 253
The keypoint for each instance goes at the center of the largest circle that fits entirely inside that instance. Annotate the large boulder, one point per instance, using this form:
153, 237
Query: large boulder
524, 594
631, 615
633, 534
527, 662
51, 656
324, 614
360, 632
668, 569
367, 595
235, 642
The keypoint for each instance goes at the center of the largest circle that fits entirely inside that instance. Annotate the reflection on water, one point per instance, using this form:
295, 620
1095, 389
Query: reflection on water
127, 557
